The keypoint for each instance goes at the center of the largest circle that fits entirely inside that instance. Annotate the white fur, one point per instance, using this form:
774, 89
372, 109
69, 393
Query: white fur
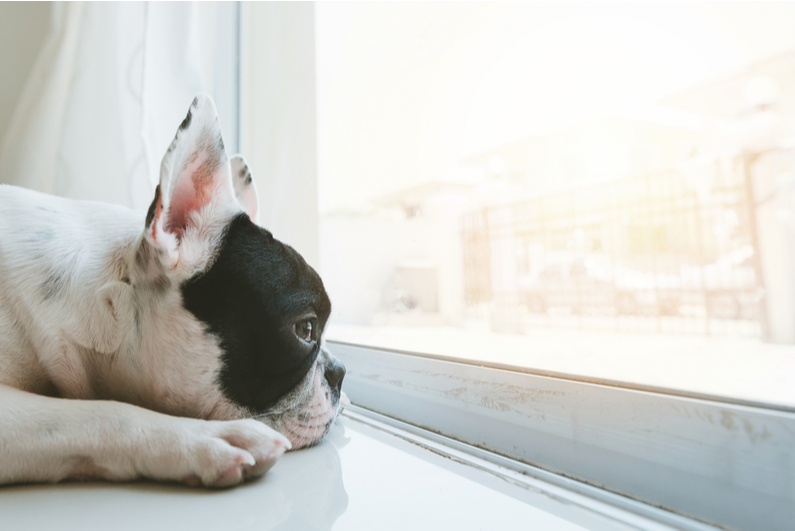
91, 311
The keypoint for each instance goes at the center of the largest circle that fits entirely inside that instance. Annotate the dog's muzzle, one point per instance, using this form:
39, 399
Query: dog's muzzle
335, 372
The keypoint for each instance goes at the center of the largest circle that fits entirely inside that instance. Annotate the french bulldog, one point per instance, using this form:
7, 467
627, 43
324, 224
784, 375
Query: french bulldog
183, 344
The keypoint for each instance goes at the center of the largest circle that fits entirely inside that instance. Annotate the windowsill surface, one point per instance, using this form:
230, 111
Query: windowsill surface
360, 478
737, 369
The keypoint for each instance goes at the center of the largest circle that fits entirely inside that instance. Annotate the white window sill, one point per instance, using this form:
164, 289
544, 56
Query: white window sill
360, 478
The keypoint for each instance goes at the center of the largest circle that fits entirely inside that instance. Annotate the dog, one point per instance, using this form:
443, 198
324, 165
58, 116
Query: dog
179, 344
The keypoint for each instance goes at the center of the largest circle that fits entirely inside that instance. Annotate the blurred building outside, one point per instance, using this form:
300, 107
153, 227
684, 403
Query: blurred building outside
677, 218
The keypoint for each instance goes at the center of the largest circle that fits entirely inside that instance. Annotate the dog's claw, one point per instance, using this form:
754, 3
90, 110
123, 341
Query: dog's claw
231, 477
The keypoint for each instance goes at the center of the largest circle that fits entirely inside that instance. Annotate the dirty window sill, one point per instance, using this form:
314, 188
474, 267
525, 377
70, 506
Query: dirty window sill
736, 370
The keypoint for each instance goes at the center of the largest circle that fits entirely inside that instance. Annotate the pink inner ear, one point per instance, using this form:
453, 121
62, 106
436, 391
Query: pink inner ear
249, 203
192, 191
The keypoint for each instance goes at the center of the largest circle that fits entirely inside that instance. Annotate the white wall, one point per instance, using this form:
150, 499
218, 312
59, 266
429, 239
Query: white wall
278, 129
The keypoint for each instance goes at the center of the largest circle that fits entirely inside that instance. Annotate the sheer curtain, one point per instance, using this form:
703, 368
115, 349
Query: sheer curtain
110, 87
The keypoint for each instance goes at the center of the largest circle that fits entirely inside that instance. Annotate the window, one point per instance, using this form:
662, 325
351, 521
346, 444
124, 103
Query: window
560, 233
617, 173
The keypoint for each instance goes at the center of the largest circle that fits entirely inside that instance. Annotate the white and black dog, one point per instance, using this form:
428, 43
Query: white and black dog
181, 344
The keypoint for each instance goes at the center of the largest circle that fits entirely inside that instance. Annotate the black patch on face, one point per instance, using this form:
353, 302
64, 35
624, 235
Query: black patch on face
250, 297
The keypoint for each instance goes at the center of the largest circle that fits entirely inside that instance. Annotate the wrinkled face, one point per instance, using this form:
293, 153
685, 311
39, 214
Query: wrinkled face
268, 308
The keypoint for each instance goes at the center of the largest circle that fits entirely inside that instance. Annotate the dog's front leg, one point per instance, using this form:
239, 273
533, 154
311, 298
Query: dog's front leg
45, 439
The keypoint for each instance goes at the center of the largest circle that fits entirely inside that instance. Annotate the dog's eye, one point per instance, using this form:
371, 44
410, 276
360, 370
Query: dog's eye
305, 330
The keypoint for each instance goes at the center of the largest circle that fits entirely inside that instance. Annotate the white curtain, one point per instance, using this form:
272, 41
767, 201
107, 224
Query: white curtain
105, 97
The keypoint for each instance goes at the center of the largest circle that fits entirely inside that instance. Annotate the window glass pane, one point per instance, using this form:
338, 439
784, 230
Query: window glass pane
605, 189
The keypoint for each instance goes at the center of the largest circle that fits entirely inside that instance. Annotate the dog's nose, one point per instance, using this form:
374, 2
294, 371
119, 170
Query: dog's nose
335, 372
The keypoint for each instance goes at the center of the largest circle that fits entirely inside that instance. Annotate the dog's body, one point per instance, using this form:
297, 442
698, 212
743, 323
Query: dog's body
131, 343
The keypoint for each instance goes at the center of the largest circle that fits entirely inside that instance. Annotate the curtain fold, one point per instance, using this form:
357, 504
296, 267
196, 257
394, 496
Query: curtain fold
109, 88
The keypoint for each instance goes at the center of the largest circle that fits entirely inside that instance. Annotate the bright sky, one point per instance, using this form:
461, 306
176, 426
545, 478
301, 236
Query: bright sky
407, 90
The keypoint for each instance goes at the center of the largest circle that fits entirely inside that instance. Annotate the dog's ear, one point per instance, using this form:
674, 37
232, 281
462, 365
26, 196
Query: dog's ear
245, 191
195, 197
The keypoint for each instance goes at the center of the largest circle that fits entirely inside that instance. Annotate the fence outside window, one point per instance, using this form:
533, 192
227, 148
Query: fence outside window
651, 253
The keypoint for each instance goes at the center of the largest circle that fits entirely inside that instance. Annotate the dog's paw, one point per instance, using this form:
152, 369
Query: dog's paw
224, 453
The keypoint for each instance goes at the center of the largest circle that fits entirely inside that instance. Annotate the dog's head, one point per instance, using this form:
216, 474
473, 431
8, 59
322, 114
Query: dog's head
260, 304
